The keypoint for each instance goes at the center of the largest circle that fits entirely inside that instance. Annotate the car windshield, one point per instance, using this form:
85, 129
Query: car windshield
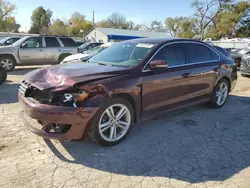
84, 45
3, 40
129, 53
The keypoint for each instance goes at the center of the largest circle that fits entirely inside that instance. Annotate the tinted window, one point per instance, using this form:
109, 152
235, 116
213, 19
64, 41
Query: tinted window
200, 53
51, 42
173, 54
35, 42
68, 42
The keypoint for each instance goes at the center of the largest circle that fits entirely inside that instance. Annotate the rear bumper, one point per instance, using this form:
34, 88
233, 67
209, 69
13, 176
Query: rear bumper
33, 112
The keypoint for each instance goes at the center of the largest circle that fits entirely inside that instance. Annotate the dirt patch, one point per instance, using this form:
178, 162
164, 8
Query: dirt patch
2, 147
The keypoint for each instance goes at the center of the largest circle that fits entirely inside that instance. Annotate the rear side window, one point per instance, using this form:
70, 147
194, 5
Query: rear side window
51, 42
68, 42
198, 53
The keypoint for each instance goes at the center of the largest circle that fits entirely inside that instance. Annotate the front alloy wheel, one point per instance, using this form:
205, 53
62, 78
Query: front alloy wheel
112, 122
8, 63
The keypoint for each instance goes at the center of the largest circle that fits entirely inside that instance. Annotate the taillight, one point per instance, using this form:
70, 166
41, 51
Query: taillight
78, 50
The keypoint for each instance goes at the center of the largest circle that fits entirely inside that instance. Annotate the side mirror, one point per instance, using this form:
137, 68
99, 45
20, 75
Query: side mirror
158, 64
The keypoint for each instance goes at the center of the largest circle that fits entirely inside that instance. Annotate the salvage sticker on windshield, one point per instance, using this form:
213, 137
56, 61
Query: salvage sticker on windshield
144, 45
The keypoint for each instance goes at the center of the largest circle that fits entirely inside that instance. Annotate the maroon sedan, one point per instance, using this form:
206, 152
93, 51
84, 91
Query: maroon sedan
122, 85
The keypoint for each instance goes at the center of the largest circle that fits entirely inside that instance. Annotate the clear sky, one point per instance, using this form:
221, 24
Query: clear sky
139, 11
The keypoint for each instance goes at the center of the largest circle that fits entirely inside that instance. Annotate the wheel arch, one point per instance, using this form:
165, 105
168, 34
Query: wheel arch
131, 100
63, 55
11, 55
228, 80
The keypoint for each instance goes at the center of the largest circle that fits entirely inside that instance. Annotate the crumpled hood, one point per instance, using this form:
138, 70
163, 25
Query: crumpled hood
76, 57
66, 75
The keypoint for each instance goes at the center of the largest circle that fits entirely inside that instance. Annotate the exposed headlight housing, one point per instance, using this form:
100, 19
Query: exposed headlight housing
75, 97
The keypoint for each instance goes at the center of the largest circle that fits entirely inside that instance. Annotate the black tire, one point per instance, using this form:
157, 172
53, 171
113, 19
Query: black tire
3, 75
62, 57
11, 59
213, 103
94, 132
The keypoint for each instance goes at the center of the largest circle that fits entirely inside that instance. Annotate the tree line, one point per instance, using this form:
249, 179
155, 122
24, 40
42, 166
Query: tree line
211, 19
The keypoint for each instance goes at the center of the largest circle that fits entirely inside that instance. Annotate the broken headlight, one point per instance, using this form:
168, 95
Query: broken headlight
75, 98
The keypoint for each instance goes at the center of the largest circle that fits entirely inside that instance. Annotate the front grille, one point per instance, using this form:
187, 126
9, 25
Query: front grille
29, 90
23, 87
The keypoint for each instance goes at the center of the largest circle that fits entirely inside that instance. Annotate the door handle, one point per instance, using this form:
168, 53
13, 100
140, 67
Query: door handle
185, 75
40, 50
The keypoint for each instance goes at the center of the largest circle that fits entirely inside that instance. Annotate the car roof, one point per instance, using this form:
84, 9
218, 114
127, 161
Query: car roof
164, 40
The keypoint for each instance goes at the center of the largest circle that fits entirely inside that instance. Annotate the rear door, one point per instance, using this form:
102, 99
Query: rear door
205, 63
32, 51
52, 49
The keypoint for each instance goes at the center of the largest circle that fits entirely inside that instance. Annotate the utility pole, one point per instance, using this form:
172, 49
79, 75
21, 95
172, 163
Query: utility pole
93, 18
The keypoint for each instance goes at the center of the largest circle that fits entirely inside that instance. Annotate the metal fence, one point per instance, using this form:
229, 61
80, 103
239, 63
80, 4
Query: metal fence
229, 44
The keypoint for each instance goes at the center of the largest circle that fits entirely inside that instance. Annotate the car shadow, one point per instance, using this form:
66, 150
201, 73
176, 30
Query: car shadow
8, 92
194, 145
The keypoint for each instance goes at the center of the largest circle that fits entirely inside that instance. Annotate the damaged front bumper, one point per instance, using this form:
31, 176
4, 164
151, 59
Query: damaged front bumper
42, 119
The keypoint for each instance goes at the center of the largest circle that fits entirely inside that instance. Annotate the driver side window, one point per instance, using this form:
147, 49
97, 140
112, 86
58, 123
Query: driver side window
33, 43
173, 54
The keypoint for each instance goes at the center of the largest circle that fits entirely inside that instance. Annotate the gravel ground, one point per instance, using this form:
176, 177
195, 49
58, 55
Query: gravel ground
194, 147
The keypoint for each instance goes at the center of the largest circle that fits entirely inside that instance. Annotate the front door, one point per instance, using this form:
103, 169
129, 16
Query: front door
32, 51
169, 87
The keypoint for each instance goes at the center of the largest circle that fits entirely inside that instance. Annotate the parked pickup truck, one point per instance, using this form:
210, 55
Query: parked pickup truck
34, 50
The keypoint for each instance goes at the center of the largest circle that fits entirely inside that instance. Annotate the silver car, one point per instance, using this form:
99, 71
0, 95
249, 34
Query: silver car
8, 41
34, 50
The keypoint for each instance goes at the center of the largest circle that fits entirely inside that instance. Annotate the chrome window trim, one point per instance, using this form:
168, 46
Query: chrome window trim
144, 68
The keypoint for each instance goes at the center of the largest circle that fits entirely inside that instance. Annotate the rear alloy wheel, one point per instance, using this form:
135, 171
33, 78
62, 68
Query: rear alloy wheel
112, 123
220, 94
8, 63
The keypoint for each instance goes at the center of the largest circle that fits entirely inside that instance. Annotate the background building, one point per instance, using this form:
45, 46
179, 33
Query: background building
98, 34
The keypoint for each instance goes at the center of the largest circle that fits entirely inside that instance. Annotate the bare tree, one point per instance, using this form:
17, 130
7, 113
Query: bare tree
117, 20
154, 26
206, 12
